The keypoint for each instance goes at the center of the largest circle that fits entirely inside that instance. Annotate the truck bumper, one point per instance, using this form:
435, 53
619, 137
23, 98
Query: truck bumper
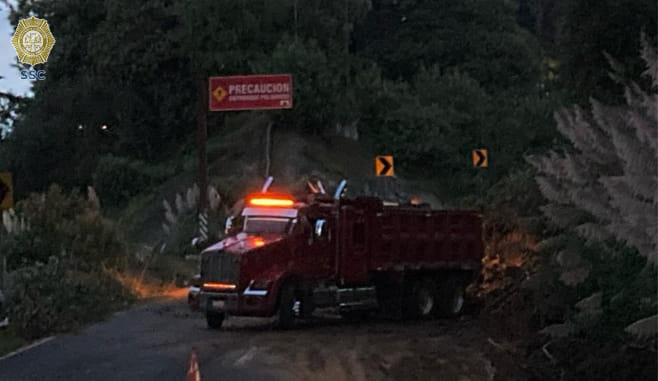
235, 304
218, 301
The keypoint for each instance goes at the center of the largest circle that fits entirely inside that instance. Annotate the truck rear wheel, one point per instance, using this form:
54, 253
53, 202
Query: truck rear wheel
422, 302
451, 298
289, 306
214, 319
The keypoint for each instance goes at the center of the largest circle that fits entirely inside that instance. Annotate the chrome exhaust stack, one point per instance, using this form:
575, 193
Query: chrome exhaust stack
321, 187
312, 187
267, 184
340, 188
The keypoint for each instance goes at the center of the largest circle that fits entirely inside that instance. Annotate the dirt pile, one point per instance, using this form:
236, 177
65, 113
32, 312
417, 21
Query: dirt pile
501, 290
515, 302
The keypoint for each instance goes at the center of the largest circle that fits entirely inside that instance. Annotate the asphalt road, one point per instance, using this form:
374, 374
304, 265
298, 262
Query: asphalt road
153, 342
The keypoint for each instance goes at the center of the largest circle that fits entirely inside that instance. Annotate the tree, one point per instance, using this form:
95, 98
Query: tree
434, 124
480, 38
330, 22
10, 108
586, 29
604, 185
329, 88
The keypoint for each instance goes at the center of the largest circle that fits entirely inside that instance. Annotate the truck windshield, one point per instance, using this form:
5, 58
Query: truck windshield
267, 225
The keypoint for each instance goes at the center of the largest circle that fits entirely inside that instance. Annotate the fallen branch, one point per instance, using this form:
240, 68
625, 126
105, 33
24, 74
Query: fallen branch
547, 353
495, 344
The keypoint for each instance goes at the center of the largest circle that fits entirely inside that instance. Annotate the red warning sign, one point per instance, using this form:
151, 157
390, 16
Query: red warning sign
250, 92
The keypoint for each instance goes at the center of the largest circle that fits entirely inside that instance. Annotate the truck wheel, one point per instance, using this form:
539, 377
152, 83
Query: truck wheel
288, 306
214, 319
451, 298
423, 299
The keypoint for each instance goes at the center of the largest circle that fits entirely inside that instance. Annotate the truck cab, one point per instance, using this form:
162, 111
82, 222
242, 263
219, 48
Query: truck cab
280, 240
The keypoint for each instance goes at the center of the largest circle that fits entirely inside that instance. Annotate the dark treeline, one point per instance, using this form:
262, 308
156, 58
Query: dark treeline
425, 80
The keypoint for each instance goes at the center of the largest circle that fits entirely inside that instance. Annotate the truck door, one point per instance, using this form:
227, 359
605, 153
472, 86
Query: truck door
317, 254
354, 246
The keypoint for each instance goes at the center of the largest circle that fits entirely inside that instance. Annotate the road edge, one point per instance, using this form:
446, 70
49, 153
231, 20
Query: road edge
27, 347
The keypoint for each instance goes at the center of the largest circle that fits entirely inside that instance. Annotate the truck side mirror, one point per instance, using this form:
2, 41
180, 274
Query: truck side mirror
321, 229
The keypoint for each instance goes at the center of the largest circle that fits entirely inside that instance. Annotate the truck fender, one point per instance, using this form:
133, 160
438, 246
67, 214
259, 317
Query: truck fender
282, 278
278, 277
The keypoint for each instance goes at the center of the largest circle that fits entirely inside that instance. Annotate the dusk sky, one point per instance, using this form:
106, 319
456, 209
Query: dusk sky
10, 81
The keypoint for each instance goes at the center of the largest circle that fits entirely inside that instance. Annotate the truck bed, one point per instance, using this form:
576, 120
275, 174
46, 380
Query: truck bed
422, 238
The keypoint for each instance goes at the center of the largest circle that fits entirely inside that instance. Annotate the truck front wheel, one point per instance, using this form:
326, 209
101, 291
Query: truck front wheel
214, 319
288, 306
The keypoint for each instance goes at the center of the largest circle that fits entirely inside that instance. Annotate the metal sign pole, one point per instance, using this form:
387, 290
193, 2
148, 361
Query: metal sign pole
268, 144
203, 159
5, 284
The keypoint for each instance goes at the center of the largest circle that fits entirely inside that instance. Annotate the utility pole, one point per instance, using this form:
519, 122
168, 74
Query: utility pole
295, 17
203, 159
268, 145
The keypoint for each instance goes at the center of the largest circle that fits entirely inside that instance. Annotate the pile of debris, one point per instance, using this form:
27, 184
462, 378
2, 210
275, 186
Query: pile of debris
502, 288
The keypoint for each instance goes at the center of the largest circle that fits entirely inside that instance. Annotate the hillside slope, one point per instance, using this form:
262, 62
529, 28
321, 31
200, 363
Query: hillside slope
237, 164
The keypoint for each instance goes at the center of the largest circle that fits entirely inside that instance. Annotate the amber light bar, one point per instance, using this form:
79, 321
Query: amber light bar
219, 286
265, 201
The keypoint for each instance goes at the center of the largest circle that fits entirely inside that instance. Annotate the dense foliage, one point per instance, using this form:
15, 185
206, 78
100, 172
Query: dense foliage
60, 254
56, 297
63, 225
604, 186
600, 262
356, 62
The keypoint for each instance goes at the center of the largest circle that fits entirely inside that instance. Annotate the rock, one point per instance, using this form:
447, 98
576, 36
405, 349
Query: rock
574, 277
644, 328
568, 259
558, 330
591, 303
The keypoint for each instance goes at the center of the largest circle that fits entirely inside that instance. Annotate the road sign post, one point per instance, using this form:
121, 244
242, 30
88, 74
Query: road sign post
203, 160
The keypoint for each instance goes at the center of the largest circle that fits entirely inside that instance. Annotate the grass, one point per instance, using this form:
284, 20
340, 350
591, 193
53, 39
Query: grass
10, 341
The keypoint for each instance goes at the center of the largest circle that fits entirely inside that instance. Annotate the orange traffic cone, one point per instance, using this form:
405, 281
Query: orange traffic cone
193, 370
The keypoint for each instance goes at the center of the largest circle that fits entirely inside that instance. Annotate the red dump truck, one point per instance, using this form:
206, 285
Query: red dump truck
357, 255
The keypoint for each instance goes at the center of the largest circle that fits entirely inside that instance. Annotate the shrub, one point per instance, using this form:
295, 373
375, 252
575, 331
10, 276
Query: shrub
181, 234
67, 224
627, 285
25, 248
603, 186
54, 297
95, 241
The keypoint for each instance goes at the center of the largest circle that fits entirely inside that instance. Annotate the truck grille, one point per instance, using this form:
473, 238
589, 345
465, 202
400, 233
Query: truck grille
220, 267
